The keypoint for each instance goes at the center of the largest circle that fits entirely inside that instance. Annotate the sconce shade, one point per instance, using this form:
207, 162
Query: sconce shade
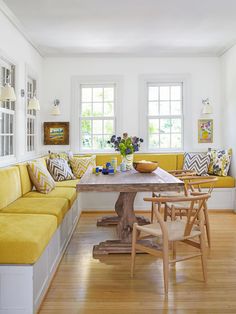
207, 108
33, 104
55, 111
8, 93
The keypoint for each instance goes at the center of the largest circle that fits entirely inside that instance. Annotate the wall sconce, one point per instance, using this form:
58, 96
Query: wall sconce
207, 108
56, 110
8, 92
34, 103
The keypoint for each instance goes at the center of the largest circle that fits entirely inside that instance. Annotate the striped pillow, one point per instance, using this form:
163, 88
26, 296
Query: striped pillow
79, 165
198, 162
59, 169
40, 177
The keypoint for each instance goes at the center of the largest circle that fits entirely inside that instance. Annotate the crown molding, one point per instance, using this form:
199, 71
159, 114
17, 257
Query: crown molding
17, 24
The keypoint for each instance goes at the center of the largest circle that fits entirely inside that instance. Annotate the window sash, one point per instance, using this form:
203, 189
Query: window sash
31, 117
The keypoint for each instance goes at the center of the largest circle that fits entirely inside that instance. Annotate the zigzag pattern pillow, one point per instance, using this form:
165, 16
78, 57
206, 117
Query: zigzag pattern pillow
79, 165
40, 177
198, 162
59, 169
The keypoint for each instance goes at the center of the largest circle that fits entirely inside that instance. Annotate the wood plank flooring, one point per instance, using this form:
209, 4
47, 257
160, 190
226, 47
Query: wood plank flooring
83, 285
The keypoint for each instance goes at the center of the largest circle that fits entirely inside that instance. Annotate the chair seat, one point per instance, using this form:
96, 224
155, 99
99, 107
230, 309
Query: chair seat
175, 230
49, 206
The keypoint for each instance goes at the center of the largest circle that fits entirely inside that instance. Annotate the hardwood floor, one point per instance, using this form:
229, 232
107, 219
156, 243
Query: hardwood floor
83, 285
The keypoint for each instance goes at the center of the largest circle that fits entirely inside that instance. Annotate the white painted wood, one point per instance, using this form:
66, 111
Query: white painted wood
23, 287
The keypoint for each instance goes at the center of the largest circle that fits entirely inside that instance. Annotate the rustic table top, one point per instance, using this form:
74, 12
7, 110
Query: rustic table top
130, 181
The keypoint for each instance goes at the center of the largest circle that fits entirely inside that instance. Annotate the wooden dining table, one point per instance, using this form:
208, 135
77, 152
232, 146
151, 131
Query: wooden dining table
128, 184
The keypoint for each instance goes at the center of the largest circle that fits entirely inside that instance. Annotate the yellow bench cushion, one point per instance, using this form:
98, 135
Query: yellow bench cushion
58, 192
222, 182
53, 206
67, 183
26, 184
165, 161
10, 186
23, 238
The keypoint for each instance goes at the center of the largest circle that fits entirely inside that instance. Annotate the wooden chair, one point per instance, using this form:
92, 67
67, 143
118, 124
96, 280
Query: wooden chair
171, 232
193, 186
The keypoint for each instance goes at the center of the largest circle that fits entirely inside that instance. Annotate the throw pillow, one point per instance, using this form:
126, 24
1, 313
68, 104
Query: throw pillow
219, 161
59, 169
63, 155
40, 177
198, 162
79, 165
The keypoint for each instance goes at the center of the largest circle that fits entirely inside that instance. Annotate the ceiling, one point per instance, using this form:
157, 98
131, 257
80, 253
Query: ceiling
126, 27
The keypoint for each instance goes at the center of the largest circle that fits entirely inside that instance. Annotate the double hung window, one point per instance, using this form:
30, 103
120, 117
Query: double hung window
31, 117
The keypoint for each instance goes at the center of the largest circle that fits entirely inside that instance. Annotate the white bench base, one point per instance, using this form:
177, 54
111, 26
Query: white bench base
23, 287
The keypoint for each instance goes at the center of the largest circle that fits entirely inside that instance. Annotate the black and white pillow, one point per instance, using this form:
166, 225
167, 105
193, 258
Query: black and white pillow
59, 169
198, 162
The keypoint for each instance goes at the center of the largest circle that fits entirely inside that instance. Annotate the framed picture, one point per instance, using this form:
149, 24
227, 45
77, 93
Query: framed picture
205, 131
56, 133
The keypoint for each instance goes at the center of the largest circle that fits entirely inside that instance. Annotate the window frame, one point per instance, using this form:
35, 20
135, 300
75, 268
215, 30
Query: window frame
30, 115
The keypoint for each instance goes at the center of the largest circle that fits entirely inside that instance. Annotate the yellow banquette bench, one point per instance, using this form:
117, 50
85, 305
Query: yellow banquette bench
34, 231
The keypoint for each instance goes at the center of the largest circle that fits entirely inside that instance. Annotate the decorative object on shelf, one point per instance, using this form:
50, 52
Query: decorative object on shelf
207, 108
127, 146
56, 110
144, 166
8, 92
34, 103
56, 133
205, 131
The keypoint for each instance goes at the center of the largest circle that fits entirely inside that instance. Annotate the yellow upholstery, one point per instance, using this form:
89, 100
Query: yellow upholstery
180, 162
165, 161
102, 159
59, 192
222, 182
53, 206
26, 183
23, 238
10, 185
67, 183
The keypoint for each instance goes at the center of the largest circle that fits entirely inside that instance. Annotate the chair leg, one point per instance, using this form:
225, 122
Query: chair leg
203, 257
165, 212
133, 254
207, 225
166, 267
174, 250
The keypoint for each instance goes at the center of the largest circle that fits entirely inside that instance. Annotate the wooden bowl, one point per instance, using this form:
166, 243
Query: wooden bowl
144, 166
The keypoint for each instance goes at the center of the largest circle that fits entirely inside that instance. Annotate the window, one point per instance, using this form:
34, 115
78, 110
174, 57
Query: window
165, 116
31, 117
97, 115
7, 112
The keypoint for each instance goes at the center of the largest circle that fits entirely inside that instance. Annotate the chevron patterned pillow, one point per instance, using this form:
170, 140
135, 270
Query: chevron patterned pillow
198, 162
59, 169
79, 165
40, 177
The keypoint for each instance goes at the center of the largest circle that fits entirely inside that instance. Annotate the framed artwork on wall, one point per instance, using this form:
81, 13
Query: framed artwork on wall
56, 133
205, 131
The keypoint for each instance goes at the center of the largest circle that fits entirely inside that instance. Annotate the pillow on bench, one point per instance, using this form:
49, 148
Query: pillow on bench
199, 162
59, 169
219, 161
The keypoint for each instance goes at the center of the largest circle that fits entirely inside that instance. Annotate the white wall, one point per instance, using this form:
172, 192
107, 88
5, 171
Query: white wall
15, 48
228, 119
204, 82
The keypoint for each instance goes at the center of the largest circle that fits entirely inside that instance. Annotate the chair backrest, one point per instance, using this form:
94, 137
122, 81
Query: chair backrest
195, 183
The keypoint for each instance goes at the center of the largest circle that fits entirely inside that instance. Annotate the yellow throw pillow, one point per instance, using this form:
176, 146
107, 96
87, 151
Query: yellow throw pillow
79, 165
40, 177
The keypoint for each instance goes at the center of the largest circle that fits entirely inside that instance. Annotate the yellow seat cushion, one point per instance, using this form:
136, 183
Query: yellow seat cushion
67, 183
180, 162
53, 206
23, 238
165, 161
59, 192
10, 185
222, 182
102, 159
26, 184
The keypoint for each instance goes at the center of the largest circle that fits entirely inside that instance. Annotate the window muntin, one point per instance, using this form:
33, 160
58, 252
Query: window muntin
97, 116
30, 117
7, 112
165, 116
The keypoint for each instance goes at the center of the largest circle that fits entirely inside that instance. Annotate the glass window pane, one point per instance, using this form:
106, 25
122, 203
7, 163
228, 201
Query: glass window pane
153, 93
86, 141
176, 108
11, 145
97, 141
86, 94
97, 109
106, 138
153, 126
86, 110
108, 94
108, 109
98, 94
164, 108
164, 92
97, 127
176, 140
164, 140
153, 108
86, 126
176, 126
154, 141
165, 125
176, 93
108, 127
